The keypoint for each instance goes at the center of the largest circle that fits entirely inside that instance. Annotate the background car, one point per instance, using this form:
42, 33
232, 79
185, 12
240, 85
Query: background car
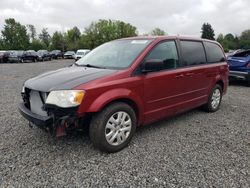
69, 55
239, 66
4, 56
55, 54
15, 56
29, 55
81, 53
43, 55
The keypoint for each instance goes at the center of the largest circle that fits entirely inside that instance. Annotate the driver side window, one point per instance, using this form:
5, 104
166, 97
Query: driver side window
167, 52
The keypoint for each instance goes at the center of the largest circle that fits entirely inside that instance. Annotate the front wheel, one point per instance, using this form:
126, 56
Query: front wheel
113, 128
214, 100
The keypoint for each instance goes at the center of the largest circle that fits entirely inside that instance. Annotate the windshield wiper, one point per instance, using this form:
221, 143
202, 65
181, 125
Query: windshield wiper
92, 66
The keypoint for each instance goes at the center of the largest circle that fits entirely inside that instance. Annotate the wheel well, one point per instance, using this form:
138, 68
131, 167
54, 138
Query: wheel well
220, 82
130, 102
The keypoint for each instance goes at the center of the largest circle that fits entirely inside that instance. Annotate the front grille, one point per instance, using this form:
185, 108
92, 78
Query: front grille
35, 101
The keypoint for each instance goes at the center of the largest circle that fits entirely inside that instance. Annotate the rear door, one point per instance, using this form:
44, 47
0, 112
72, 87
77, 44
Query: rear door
195, 78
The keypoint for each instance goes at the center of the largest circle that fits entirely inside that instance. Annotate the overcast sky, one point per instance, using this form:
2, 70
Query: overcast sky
175, 17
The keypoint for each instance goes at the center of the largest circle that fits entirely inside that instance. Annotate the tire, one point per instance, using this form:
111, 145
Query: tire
214, 100
248, 83
103, 128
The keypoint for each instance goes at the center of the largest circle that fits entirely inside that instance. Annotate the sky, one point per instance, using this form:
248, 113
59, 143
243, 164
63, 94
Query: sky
182, 17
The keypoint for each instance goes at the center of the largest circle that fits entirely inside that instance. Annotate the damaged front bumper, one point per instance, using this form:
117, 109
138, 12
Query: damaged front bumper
57, 123
40, 121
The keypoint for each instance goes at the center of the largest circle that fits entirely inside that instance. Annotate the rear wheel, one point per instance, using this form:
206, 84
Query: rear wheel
248, 83
214, 100
112, 129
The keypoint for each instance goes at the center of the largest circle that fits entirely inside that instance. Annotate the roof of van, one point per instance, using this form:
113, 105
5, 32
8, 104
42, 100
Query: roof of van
166, 37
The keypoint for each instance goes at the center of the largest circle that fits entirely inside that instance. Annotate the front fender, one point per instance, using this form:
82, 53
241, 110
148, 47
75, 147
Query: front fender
113, 95
116, 94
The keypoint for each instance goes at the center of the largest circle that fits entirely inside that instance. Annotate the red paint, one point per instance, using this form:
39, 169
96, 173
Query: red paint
158, 94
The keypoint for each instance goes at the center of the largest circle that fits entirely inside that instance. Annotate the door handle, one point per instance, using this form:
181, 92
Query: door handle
189, 74
179, 76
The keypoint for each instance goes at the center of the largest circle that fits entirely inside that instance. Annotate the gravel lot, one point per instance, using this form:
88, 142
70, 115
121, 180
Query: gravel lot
195, 149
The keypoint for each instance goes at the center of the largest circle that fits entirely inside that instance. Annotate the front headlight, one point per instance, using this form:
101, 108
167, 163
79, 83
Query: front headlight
65, 98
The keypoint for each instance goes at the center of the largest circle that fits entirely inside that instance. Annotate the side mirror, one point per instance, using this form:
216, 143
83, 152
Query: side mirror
152, 65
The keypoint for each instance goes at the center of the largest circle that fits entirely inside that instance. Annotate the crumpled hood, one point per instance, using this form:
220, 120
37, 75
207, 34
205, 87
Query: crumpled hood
65, 78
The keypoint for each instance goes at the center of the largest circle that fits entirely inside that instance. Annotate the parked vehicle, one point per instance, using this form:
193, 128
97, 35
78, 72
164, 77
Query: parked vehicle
239, 65
43, 55
29, 55
69, 55
15, 56
81, 53
4, 56
127, 83
55, 54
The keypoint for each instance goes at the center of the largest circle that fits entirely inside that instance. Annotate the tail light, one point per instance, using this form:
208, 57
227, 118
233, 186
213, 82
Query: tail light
248, 65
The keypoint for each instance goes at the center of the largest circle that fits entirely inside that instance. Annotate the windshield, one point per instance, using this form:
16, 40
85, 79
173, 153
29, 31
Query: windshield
80, 53
118, 54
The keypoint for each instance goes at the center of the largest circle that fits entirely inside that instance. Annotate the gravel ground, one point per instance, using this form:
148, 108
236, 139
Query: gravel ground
194, 149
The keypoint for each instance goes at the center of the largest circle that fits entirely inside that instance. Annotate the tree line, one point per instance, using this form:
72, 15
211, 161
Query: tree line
15, 36
228, 41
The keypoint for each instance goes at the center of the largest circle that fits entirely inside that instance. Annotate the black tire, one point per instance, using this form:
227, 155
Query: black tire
248, 83
98, 123
209, 107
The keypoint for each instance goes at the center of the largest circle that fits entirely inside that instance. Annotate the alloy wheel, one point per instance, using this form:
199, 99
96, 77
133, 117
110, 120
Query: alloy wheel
118, 128
216, 97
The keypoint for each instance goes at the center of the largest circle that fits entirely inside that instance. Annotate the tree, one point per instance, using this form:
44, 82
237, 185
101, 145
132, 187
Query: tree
106, 30
14, 35
72, 37
58, 41
1, 44
245, 39
45, 37
157, 32
207, 32
37, 44
32, 31
220, 38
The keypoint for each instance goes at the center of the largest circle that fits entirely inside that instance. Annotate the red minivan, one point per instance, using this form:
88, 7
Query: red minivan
127, 83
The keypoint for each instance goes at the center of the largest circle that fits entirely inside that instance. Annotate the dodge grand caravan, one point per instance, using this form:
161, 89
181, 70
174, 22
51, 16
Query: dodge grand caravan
127, 83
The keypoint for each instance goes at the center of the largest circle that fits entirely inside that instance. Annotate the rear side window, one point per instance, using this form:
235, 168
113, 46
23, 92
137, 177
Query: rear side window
167, 52
193, 53
214, 53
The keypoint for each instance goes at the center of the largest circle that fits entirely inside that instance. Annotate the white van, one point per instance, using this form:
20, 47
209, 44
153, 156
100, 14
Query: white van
80, 53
